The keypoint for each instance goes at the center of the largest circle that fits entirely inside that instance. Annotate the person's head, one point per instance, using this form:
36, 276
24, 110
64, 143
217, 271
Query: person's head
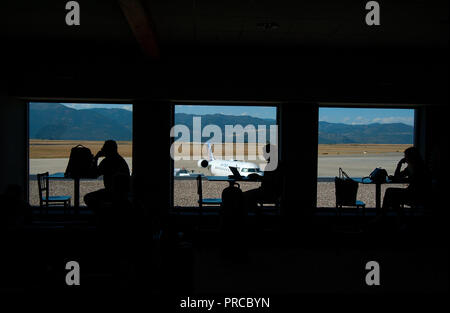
109, 148
412, 155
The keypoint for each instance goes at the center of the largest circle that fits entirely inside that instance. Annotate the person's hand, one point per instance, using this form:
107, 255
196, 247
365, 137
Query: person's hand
99, 154
402, 161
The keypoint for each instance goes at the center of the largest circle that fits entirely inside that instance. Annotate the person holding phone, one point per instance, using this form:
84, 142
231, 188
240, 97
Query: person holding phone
271, 182
115, 173
417, 177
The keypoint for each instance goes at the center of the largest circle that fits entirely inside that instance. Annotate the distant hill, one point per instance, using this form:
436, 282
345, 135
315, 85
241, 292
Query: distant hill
376, 133
55, 121
329, 133
221, 120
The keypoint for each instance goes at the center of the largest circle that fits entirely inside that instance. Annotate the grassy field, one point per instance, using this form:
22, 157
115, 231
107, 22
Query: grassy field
42, 149
360, 149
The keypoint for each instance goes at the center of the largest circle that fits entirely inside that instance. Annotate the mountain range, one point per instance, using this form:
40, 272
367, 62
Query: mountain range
54, 121
375, 133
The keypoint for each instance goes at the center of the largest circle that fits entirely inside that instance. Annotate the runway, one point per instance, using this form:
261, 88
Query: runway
357, 165
328, 166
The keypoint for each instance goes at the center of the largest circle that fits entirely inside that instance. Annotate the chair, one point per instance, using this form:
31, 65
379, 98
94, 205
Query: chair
346, 191
205, 201
422, 207
272, 204
47, 200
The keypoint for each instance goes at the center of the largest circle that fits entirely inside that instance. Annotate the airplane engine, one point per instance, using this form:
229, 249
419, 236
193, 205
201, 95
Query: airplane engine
202, 163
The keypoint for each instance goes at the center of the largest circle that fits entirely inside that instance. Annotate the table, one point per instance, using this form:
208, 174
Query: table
76, 188
367, 180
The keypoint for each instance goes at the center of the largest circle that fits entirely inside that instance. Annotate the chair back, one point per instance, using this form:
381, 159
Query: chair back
43, 187
345, 191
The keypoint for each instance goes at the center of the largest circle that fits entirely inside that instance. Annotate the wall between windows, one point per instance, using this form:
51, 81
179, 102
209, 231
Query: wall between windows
13, 142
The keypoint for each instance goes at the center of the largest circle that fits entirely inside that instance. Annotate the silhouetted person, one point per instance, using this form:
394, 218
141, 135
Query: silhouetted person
111, 166
416, 175
271, 182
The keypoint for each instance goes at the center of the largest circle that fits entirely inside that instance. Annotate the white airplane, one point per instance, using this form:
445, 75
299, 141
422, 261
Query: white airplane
222, 167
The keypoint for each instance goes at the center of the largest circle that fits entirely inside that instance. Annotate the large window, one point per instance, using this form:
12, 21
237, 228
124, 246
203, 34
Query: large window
55, 128
359, 140
235, 134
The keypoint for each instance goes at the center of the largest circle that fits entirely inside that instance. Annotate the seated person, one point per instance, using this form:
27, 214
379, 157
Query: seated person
271, 183
416, 175
111, 166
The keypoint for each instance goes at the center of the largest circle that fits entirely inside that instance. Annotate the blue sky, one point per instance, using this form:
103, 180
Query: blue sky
357, 116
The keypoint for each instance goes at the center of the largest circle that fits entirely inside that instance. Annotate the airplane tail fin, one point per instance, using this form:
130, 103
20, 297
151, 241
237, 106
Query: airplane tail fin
211, 156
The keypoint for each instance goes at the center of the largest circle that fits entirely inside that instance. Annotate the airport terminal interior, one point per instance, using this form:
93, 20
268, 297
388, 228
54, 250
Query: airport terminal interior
297, 56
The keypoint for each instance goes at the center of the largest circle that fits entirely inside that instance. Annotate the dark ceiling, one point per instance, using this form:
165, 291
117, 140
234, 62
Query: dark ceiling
224, 43
320, 22
235, 23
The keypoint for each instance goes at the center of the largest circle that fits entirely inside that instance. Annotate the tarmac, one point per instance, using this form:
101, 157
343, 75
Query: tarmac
328, 166
185, 193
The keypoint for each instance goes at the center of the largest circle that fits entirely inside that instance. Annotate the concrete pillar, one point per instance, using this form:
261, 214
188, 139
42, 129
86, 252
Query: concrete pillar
13, 143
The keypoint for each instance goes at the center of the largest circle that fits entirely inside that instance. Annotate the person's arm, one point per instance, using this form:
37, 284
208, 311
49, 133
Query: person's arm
398, 171
98, 169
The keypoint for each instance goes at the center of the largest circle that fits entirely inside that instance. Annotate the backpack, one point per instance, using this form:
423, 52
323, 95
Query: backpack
378, 175
81, 163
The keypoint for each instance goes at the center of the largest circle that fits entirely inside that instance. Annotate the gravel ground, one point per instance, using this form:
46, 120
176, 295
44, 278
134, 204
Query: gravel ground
64, 188
366, 193
185, 191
